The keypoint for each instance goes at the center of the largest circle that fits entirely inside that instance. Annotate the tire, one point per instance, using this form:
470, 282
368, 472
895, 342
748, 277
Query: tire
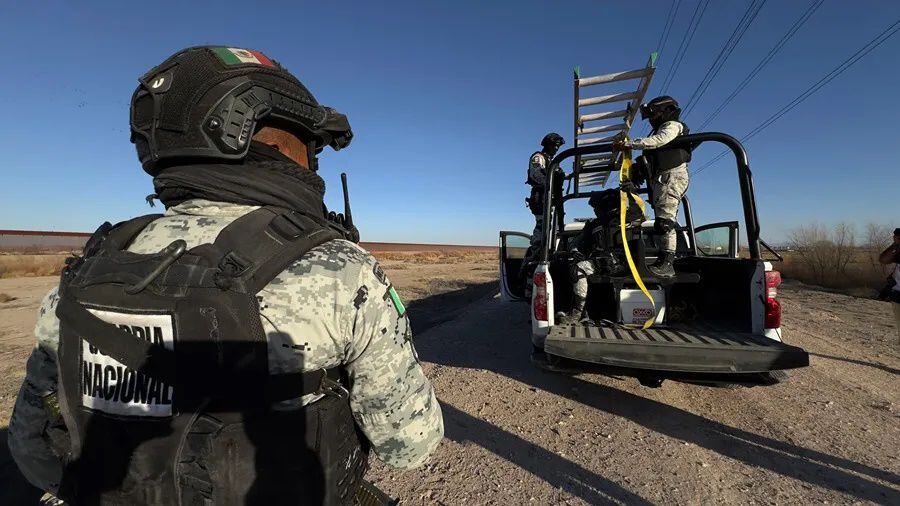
777, 377
765, 379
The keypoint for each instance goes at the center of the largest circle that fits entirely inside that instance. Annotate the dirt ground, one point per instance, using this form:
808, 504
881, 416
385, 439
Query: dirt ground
517, 435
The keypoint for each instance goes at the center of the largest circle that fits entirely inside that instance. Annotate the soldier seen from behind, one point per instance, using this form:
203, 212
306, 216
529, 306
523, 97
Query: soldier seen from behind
666, 167
240, 348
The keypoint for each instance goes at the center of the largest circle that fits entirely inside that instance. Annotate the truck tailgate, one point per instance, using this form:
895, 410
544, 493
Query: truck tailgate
677, 349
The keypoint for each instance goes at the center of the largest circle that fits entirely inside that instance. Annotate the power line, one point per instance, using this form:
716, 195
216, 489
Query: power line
686, 38
685, 42
879, 39
721, 51
667, 28
766, 59
743, 25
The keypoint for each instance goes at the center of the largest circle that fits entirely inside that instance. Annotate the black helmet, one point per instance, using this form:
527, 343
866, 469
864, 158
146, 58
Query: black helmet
662, 106
208, 101
552, 141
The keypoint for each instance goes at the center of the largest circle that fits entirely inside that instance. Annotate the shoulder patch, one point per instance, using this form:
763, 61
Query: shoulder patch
379, 273
395, 299
538, 159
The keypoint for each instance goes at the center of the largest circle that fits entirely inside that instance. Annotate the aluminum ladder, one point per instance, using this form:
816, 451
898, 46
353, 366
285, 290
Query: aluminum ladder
594, 170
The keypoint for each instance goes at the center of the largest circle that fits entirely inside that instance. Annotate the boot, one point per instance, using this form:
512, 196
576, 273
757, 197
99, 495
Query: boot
49, 499
663, 266
575, 315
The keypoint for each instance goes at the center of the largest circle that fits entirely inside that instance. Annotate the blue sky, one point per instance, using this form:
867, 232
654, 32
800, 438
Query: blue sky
448, 100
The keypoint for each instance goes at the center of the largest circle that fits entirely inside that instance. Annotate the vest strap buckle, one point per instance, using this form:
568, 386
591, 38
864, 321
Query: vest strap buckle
233, 265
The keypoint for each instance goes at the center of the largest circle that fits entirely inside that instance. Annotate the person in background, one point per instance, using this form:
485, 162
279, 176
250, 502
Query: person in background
891, 255
537, 176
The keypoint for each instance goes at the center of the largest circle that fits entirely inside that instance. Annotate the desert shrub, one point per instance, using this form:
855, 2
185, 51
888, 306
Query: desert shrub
831, 258
15, 266
877, 237
436, 257
823, 254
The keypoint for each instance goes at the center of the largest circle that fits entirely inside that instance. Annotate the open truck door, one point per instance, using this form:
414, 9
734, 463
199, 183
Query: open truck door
717, 239
513, 246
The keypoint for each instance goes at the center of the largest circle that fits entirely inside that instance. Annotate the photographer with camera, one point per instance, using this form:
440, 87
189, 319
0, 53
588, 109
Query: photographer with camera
891, 292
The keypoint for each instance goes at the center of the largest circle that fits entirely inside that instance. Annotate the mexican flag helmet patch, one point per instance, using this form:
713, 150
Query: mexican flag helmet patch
237, 56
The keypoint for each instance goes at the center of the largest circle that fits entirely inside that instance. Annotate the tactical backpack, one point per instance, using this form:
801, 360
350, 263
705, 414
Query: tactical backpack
164, 382
535, 200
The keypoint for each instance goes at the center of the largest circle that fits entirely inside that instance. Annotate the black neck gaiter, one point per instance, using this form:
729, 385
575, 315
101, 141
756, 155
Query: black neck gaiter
264, 178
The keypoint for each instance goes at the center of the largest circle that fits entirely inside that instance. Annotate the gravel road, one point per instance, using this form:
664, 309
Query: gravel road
518, 435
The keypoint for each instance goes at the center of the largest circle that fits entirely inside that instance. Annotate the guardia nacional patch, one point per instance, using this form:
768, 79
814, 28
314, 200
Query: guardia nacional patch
110, 386
237, 56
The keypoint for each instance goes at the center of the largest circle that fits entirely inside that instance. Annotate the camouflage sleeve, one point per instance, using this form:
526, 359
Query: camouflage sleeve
30, 416
392, 400
667, 132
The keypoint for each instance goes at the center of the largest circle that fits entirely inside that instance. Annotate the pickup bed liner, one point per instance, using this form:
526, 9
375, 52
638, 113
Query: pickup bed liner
674, 348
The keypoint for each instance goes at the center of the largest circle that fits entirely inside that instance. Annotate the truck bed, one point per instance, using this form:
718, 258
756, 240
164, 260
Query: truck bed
674, 348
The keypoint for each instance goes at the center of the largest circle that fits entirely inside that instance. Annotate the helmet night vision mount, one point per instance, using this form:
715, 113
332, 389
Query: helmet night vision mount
661, 104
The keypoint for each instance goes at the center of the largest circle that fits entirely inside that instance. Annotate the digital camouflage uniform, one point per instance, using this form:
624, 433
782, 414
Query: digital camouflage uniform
330, 307
581, 271
669, 186
584, 243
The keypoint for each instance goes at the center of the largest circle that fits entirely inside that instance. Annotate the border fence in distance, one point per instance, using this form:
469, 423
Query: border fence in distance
41, 241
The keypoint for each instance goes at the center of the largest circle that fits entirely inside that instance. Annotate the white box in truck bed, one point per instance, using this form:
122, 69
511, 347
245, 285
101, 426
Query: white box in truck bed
636, 308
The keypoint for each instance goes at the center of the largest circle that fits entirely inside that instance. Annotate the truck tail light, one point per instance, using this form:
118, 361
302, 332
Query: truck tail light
773, 307
539, 297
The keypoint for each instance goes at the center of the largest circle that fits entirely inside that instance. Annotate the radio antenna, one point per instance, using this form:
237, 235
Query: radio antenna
348, 215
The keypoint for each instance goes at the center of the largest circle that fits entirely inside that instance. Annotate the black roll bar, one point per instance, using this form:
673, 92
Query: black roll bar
689, 223
745, 180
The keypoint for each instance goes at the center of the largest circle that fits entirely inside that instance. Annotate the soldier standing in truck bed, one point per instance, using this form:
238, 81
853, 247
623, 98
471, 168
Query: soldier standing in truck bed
668, 175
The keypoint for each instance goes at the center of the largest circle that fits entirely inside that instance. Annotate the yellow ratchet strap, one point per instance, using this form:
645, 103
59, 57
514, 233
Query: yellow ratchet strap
625, 175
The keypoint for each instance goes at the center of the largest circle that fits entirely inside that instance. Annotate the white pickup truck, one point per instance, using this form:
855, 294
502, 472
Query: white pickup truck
717, 322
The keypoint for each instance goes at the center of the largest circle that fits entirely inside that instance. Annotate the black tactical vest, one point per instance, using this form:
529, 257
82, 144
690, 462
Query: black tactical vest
668, 157
164, 382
